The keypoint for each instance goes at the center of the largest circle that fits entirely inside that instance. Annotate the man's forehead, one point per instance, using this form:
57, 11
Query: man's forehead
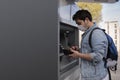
78, 21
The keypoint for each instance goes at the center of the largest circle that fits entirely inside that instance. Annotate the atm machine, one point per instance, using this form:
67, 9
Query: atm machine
69, 36
68, 66
33, 34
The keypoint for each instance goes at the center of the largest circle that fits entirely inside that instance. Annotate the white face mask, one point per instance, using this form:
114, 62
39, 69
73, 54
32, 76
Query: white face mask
80, 27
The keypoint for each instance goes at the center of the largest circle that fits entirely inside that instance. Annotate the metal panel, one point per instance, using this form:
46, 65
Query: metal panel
28, 39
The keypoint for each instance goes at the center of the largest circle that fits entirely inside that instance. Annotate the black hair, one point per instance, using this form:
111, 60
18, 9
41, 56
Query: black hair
82, 15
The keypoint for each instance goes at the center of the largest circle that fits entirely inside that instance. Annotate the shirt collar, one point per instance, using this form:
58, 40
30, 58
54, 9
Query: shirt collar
92, 27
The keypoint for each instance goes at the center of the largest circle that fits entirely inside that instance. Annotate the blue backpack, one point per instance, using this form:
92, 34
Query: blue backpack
112, 54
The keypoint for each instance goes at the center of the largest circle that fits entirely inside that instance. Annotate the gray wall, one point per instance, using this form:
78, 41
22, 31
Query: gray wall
28, 39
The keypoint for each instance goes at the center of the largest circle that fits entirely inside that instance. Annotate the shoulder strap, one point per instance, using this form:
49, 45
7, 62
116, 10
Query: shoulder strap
91, 36
104, 59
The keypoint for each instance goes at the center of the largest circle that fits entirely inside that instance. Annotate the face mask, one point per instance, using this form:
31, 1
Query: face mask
80, 27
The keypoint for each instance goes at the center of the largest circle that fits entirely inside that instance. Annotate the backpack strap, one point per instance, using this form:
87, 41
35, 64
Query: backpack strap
90, 36
109, 74
104, 59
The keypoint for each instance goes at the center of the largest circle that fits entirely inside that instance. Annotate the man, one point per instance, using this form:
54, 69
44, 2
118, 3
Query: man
92, 64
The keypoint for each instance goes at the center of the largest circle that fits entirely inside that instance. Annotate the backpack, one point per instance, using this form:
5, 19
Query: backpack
112, 53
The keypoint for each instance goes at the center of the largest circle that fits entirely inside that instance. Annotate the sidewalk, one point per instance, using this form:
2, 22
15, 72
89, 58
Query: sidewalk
116, 76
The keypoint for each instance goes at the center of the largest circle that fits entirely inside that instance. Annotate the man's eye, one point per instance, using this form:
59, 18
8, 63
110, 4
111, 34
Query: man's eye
79, 23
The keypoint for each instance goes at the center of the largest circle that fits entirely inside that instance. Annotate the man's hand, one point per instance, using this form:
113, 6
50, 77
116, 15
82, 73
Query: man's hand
75, 48
75, 53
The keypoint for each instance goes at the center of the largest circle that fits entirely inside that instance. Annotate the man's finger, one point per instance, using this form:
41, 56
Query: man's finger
71, 50
72, 55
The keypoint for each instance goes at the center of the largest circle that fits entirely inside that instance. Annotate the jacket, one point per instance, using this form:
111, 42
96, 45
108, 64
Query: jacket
94, 69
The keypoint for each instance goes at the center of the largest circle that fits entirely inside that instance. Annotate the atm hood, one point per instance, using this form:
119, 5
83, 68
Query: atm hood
100, 1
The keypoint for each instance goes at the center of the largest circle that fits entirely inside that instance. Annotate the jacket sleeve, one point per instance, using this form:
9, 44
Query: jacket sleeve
99, 46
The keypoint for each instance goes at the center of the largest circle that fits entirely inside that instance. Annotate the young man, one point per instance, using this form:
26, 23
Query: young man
92, 64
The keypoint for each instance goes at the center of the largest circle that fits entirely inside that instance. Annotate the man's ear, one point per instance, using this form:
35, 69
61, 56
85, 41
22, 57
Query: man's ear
86, 19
